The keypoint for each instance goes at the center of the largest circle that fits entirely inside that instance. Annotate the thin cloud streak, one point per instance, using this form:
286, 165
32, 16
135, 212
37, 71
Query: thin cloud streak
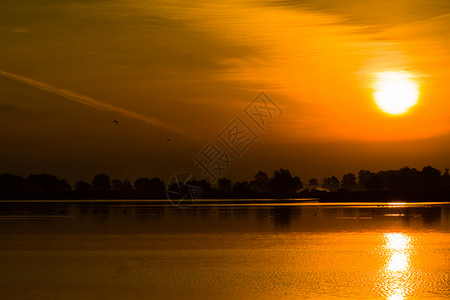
91, 102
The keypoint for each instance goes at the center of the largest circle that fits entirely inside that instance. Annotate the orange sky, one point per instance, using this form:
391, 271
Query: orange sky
185, 69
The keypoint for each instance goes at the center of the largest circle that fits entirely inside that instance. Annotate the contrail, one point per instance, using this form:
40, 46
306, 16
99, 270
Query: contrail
85, 100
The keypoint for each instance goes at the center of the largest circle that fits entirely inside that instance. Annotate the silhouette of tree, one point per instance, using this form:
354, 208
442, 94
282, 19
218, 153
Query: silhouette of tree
157, 186
363, 176
154, 187
11, 184
430, 177
142, 185
260, 183
283, 184
375, 182
65, 186
349, 181
410, 178
126, 185
101, 183
331, 183
82, 187
117, 185
192, 186
224, 184
45, 183
241, 188
313, 182
203, 184
393, 179
446, 179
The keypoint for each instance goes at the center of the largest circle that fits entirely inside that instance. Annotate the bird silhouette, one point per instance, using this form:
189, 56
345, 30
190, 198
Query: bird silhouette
116, 122
168, 140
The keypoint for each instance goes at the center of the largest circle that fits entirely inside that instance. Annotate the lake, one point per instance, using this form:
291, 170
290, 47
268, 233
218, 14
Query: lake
223, 250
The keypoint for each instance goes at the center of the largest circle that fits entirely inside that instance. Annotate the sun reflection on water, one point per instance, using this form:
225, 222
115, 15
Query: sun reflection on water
397, 241
398, 262
394, 281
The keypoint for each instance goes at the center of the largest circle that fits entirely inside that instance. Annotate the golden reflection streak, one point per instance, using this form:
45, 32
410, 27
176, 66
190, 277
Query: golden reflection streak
394, 280
397, 241
398, 262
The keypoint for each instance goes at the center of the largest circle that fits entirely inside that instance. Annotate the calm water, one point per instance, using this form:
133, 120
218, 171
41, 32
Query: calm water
139, 250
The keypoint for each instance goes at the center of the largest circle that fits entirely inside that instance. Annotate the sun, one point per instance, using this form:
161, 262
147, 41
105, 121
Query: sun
395, 92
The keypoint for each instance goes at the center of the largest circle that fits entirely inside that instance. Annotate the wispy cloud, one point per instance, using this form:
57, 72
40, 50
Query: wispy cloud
91, 102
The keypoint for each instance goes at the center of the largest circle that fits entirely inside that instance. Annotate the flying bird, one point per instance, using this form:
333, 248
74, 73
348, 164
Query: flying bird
116, 122
168, 140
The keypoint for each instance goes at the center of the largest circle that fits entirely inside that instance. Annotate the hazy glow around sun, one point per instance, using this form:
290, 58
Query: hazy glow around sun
395, 92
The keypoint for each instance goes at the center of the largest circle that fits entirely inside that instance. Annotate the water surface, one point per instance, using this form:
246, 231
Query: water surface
224, 250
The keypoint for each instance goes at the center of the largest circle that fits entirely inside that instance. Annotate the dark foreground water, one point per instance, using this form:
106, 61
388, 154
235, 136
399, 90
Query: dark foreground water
117, 250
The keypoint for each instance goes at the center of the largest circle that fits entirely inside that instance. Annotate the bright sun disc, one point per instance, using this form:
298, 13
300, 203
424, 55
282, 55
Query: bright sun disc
395, 92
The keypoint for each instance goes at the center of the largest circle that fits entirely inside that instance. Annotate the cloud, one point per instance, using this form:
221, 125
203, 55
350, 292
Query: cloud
91, 102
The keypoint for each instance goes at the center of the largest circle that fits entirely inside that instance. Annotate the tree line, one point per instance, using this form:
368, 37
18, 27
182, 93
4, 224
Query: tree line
403, 179
280, 185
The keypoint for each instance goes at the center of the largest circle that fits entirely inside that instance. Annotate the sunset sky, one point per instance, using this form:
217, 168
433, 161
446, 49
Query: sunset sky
183, 70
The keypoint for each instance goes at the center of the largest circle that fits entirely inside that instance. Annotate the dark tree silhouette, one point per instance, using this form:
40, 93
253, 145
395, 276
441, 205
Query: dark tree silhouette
393, 180
194, 188
241, 188
101, 183
430, 178
363, 176
405, 182
150, 187
410, 178
157, 186
313, 182
331, 183
260, 183
65, 186
375, 182
45, 183
82, 187
126, 185
349, 181
117, 185
120, 187
283, 184
203, 184
446, 179
142, 185
11, 184
224, 184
